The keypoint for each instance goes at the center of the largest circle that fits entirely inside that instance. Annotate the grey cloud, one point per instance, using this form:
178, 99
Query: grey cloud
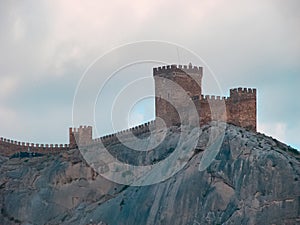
246, 43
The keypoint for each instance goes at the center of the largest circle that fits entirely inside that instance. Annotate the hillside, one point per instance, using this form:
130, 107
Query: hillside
253, 179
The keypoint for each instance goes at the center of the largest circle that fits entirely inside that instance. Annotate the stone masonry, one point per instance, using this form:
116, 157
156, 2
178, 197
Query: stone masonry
238, 109
179, 101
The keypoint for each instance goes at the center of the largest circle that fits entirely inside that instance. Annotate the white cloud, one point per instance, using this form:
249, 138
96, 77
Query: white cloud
282, 131
239, 40
276, 130
8, 85
136, 119
9, 128
9, 115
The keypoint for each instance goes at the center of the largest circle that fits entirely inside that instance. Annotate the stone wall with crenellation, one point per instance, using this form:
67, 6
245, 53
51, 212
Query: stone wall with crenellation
9, 147
174, 83
178, 91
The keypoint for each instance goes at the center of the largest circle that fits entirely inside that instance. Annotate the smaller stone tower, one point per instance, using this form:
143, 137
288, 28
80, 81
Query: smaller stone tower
241, 107
80, 136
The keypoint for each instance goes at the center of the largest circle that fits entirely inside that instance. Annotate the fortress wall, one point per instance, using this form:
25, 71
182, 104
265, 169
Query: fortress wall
124, 134
166, 111
9, 147
238, 109
83, 133
241, 108
212, 108
80, 136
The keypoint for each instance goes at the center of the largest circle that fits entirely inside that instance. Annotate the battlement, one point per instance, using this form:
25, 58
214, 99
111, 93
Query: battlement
9, 147
240, 90
171, 69
237, 94
213, 98
238, 109
124, 134
80, 129
32, 145
80, 136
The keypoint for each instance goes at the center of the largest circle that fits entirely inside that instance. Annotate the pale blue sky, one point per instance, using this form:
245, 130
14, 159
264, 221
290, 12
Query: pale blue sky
47, 45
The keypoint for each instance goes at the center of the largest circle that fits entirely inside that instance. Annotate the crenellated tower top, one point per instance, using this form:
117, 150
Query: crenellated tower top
173, 69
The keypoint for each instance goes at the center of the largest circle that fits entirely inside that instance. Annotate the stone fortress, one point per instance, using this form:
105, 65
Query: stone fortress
238, 109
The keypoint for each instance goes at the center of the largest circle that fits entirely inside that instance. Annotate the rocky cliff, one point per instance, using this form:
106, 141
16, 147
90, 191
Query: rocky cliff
253, 179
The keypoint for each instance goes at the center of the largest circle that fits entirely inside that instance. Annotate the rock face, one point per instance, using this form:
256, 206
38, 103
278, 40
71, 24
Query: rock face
253, 179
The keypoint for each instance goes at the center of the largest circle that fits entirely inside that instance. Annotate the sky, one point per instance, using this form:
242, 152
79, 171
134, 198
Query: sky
47, 46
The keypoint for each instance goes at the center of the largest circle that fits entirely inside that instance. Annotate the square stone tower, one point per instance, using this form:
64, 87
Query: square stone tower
80, 136
174, 86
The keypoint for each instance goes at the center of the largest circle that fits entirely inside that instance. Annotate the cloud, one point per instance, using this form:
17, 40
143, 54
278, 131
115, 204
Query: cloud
47, 45
9, 115
8, 85
277, 130
136, 119
282, 131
